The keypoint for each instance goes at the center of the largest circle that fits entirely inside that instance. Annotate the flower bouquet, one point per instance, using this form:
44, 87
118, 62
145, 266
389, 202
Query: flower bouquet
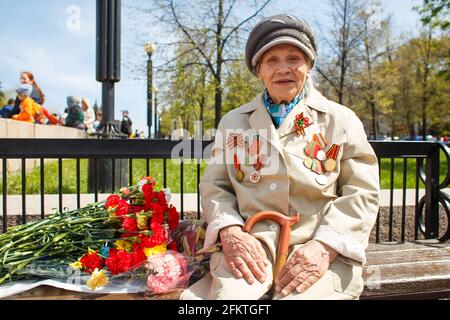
105, 242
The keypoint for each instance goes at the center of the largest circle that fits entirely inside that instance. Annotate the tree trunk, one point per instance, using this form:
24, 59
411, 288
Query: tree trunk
218, 82
343, 55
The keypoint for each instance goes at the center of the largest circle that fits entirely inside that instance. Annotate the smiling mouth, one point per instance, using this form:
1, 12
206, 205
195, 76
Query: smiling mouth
284, 81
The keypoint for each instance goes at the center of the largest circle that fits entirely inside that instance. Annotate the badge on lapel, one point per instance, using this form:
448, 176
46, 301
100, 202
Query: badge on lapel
301, 122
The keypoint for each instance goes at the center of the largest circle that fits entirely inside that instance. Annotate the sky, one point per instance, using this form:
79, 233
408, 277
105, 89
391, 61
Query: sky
55, 40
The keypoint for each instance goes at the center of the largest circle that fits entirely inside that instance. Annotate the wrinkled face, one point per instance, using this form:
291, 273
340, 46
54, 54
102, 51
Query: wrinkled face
284, 69
24, 79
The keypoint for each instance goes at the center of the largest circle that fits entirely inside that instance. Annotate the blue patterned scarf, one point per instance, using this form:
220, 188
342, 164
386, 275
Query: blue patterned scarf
278, 112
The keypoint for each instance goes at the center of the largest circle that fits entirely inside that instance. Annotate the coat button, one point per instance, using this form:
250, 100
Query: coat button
273, 227
273, 186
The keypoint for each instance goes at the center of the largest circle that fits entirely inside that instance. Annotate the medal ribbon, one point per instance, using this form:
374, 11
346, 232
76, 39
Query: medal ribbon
312, 149
237, 165
258, 165
320, 140
333, 152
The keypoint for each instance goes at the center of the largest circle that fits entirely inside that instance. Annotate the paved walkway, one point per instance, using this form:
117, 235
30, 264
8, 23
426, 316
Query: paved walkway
33, 202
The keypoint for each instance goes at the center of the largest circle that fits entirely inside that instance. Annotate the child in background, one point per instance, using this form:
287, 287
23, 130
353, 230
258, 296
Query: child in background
28, 108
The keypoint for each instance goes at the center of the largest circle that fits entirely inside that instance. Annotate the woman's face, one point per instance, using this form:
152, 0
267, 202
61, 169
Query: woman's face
24, 79
284, 69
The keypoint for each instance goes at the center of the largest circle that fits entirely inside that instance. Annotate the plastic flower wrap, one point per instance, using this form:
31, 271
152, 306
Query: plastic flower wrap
168, 272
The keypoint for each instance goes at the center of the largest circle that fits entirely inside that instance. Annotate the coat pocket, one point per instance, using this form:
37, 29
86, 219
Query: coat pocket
347, 278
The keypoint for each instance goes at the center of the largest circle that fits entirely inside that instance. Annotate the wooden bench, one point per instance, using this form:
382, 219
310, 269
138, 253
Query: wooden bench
411, 270
419, 270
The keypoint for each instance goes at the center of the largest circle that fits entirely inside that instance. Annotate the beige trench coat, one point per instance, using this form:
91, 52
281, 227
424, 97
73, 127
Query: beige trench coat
340, 212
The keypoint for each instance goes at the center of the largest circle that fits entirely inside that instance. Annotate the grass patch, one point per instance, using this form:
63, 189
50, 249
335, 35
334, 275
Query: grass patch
69, 180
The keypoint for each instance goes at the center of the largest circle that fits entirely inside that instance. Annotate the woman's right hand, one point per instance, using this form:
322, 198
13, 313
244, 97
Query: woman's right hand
244, 254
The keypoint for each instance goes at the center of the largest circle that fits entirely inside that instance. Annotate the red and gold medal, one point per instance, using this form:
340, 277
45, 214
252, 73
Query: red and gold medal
237, 167
330, 163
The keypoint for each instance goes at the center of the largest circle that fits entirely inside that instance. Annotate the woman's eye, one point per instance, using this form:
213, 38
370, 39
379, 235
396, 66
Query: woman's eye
294, 59
272, 60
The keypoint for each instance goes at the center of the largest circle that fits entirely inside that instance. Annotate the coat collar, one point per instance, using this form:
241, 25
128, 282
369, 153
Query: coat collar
261, 121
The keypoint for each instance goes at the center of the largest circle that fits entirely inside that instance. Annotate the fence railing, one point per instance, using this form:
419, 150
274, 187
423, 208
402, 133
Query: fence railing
430, 210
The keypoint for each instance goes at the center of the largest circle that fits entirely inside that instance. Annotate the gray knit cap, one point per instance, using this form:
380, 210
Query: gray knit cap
279, 29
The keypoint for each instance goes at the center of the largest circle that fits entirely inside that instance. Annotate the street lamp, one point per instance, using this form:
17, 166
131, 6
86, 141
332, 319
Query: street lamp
149, 49
156, 90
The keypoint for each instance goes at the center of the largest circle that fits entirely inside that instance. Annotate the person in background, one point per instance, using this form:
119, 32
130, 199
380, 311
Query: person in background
98, 120
28, 107
126, 124
75, 117
89, 115
4, 112
37, 94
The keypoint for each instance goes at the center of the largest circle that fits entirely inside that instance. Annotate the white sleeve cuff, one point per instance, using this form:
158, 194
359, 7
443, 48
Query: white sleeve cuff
212, 231
342, 243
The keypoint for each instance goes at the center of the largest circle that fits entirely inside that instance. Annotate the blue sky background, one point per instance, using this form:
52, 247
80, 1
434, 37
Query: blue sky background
35, 36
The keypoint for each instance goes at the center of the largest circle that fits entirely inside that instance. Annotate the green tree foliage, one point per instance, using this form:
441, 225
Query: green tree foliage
435, 12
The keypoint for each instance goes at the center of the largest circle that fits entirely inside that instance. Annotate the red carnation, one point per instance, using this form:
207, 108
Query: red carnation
173, 218
157, 213
112, 201
137, 209
138, 255
159, 234
91, 261
112, 262
120, 206
123, 208
119, 261
130, 224
145, 241
147, 189
162, 198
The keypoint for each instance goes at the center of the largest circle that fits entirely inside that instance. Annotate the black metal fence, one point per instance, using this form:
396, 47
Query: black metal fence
429, 210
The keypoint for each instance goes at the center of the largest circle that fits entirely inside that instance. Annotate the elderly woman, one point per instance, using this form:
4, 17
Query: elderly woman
290, 150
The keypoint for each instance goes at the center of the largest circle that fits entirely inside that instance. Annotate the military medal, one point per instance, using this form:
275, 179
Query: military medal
237, 167
318, 167
308, 162
301, 122
255, 176
321, 155
312, 149
330, 163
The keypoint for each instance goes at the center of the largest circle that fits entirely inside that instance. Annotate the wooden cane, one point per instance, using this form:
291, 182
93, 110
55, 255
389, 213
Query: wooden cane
286, 224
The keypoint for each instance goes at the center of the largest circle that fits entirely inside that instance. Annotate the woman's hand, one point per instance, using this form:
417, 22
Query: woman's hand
244, 254
306, 266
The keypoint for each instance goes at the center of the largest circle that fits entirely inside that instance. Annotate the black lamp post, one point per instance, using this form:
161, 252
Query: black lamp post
149, 48
108, 60
156, 113
108, 35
